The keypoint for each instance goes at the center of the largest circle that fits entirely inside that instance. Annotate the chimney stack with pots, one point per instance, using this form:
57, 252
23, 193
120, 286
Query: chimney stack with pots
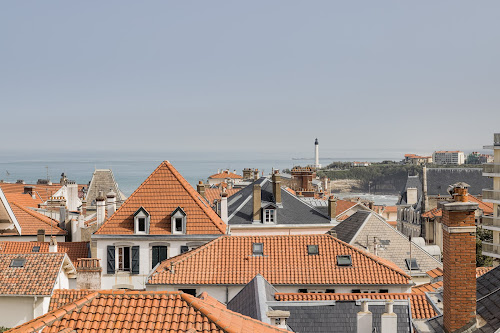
277, 187
364, 319
53, 244
256, 203
389, 320
40, 235
201, 188
332, 207
101, 208
223, 208
111, 203
30, 190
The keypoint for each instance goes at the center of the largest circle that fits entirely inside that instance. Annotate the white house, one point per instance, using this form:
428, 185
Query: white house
163, 218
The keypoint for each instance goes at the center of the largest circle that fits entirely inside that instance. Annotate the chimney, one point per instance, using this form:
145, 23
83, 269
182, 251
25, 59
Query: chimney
256, 203
72, 190
411, 195
53, 244
278, 318
389, 320
256, 174
223, 208
88, 273
459, 261
201, 188
84, 207
332, 207
424, 190
40, 235
364, 319
111, 203
30, 190
370, 205
277, 187
101, 208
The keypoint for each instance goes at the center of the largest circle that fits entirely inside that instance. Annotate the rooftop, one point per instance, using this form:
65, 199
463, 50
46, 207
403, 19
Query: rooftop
74, 250
225, 174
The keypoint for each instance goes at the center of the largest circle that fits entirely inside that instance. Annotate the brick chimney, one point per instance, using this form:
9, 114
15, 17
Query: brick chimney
332, 207
40, 235
256, 203
201, 188
459, 261
277, 187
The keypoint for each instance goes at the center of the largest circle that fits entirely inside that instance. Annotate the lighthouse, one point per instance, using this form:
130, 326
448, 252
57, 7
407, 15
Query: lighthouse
316, 154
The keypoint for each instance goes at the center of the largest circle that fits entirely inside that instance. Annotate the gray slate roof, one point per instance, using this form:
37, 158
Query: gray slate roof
439, 179
293, 210
103, 180
347, 229
411, 182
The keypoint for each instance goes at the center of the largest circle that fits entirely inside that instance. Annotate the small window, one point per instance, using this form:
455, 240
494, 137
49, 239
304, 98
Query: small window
413, 266
178, 224
356, 291
184, 248
35, 249
159, 254
124, 259
258, 249
18, 262
189, 291
312, 250
330, 291
277, 321
302, 291
344, 260
141, 224
384, 291
269, 215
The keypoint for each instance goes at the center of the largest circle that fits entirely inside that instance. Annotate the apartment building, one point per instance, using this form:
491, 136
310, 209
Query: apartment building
448, 157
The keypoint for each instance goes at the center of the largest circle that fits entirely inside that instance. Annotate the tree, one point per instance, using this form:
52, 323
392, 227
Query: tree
483, 235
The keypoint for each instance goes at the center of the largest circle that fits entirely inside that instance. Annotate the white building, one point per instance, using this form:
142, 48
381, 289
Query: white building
163, 218
448, 157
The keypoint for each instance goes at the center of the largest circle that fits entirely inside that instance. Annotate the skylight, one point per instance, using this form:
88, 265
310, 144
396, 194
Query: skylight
414, 265
312, 249
258, 249
35, 249
344, 260
18, 262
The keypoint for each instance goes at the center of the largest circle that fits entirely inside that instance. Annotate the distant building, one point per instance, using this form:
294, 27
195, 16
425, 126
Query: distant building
478, 158
448, 157
316, 154
360, 164
224, 176
417, 159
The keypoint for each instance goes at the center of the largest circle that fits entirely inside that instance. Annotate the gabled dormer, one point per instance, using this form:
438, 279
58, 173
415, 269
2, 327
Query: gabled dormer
178, 221
269, 213
141, 221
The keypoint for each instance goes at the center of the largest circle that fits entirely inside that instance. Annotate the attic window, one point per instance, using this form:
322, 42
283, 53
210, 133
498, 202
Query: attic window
141, 221
178, 221
344, 260
18, 262
258, 249
35, 249
269, 215
414, 265
312, 250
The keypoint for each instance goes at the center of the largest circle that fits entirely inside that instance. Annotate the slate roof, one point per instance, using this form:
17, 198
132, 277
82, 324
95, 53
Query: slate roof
37, 276
293, 210
391, 244
439, 179
212, 194
411, 182
143, 311
103, 180
229, 260
161, 194
74, 250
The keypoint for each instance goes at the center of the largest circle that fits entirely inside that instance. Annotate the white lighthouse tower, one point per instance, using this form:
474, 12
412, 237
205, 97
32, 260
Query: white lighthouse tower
316, 154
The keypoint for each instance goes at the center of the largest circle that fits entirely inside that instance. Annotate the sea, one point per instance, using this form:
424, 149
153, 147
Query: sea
130, 170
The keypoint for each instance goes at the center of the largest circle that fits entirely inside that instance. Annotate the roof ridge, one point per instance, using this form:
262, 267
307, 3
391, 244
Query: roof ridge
38, 216
305, 203
189, 189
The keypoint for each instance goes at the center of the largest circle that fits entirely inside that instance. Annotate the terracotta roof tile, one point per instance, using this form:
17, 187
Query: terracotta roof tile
420, 306
229, 260
36, 277
437, 272
435, 212
74, 250
42, 192
486, 207
30, 221
212, 194
142, 311
61, 297
160, 194
343, 205
434, 273
427, 287
482, 270
225, 174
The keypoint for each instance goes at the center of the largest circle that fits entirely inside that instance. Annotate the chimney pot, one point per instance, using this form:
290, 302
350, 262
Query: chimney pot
364, 319
40, 236
53, 244
200, 188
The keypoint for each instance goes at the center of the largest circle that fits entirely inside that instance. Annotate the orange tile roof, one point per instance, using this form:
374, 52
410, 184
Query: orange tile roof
343, 205
30, 221
434, 273
427, 287
42, 192
229, 260
36, 277
420, 306
160, 194
482, 270
212, 194
439, 272
393, 223
485, 206
225, 174
435, 212
391, 209
25, 200
61, 297
291, 191
74, 250
143, 311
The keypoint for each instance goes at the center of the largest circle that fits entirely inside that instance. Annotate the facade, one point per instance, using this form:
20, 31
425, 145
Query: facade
448, 157
417, 159
492, 195
163, 218
410, 207
310, 263
224, 176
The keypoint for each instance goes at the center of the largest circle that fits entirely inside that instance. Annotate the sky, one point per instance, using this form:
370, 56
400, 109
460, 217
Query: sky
365, 77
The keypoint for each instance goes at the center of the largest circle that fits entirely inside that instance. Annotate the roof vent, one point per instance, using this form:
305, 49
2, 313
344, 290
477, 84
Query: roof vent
344, 260
414, 265
35, 249
312, 250
258, 249
17, 262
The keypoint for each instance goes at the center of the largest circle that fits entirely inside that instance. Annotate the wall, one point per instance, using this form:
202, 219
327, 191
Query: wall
16, 310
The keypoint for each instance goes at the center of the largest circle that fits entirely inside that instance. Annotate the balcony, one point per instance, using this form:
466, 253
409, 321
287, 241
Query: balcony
491, 170
490, 195
490, 222
491, 250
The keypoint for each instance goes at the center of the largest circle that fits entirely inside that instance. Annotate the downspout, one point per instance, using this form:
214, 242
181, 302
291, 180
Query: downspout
227, 294
34, 306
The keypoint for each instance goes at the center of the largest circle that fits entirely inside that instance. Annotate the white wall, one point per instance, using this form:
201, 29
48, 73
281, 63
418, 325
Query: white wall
16, 310
28, 238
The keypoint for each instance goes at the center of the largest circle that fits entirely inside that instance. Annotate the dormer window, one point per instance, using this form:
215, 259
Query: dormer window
178, 221
141, 221
269, 215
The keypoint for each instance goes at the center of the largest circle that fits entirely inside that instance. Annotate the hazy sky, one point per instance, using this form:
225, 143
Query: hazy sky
198, 76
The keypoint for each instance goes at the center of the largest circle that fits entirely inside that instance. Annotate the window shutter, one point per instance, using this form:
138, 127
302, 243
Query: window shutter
111, 260
155, 256
135, 259
163, 253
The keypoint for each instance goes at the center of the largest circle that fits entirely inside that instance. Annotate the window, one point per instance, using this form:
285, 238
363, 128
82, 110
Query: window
413, 265
302, 291
189, 291
141, 221
141, 224
124, 258
178, 224
178, 221
18, 262
344, 260
269, 215
384, 291
184, 248
277, 321
330, 291
159, 253
312, 249
36, 249
356, 291
258, 249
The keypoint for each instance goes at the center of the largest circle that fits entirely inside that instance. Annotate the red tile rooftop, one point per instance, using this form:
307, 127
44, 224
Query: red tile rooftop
75, 250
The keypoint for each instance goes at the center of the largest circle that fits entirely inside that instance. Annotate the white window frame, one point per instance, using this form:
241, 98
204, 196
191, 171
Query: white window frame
141, 214
269, 215
179, 214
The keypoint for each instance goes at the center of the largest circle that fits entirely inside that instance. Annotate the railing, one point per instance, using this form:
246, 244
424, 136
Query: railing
490, 194
491, 248
491, 168
490, 220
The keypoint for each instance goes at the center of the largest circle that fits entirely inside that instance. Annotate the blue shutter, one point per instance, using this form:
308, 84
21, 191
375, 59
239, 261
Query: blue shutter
135, 259
111, 260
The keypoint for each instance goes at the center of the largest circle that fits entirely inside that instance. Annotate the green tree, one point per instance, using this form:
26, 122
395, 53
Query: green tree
483, 235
